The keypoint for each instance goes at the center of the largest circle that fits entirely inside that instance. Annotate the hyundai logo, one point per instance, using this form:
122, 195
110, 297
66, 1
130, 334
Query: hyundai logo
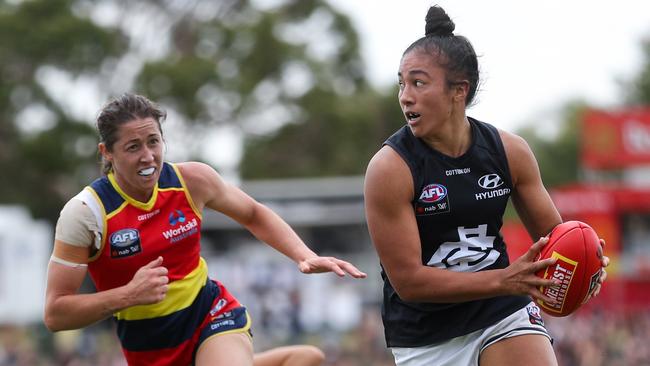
490, 181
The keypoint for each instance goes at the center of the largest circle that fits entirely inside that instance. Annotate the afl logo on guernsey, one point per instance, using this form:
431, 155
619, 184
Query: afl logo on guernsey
125, 243
433, 193
433, 200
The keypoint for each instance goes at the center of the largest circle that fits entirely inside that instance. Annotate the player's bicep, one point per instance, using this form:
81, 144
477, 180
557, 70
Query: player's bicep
389, 214
530, 198
208, 189
66, 278
237, 204
70, 255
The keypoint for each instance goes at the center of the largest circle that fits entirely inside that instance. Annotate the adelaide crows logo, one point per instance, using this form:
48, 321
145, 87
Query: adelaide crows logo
176, 217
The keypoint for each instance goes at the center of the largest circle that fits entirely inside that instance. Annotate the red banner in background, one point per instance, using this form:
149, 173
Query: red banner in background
617, 139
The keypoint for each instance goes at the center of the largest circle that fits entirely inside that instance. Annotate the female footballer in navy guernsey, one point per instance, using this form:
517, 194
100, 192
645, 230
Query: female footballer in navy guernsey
435, 194
136, 232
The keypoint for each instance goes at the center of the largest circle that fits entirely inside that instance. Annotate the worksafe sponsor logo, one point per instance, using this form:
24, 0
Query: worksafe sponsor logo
176, 217
182, 231
181, 228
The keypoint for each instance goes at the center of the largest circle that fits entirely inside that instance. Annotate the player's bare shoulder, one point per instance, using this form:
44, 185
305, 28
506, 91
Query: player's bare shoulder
202, 181
513, 144
520, 156
387, 171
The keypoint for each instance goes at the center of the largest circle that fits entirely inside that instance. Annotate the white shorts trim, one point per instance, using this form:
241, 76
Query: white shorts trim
465, 350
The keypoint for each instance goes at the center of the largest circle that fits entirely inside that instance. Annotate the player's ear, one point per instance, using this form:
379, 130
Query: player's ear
459, 90
103, 150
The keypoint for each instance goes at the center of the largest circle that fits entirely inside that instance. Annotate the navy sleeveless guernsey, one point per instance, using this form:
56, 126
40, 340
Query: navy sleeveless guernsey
459, 205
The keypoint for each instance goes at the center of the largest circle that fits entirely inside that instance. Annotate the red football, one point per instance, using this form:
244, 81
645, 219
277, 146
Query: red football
575, 245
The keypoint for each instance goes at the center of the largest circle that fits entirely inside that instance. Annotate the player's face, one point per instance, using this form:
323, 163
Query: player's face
424, 96
136, 157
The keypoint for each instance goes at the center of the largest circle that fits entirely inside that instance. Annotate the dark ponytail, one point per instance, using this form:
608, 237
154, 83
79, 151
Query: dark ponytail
452, 52
438, 23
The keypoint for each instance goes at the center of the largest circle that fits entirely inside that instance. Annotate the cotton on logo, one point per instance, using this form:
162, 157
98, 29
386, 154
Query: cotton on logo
474, 251
490, 181
433, 193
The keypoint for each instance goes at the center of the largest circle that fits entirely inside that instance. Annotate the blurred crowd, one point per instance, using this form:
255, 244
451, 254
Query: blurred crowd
595, 339
341, 316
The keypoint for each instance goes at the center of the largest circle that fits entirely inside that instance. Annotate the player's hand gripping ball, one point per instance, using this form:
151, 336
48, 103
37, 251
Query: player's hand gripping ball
578, 267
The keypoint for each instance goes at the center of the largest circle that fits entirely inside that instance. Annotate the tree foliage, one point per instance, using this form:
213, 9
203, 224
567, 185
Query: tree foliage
211, 64
558, 155
638, 92
337, 137
40, 163
286, 75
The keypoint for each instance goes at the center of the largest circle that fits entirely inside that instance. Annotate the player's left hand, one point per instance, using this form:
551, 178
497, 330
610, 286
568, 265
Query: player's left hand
603, 273
329, 264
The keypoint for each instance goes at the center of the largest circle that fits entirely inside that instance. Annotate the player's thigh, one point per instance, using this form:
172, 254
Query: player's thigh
226, 350
527, 349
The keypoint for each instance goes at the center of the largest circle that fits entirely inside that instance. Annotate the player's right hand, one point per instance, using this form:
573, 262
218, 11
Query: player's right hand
149, 284
520, 278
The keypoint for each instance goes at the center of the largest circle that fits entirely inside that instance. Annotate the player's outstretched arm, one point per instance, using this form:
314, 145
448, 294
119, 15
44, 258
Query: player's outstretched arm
208, 189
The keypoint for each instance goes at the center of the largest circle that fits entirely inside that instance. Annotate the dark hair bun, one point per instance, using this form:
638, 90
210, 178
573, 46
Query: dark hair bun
438, 23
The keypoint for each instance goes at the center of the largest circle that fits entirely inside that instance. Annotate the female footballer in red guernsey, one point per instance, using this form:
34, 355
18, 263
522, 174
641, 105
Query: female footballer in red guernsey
136, 232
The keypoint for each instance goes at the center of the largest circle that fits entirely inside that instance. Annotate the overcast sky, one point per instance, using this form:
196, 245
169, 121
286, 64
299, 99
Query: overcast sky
534, 56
